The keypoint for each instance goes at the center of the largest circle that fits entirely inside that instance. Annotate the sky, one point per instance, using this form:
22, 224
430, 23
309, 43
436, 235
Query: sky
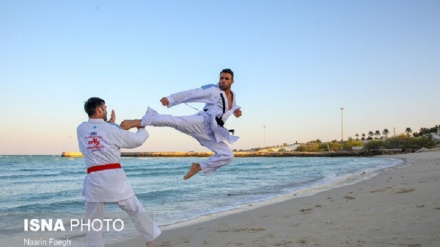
296, 64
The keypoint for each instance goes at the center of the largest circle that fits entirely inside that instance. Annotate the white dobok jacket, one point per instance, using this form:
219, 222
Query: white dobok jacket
100, 143
210, 95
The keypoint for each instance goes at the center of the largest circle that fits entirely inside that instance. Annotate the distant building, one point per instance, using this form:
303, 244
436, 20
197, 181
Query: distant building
291, 147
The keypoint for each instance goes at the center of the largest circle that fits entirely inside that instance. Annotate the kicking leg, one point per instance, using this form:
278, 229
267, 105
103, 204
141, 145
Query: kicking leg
193, 125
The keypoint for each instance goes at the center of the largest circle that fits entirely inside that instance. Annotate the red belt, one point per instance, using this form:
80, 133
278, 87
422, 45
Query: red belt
103, 167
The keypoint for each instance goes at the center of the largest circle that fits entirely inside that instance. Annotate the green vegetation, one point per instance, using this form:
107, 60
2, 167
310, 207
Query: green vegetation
426, 131
407, 141
318, 146
401, 142
377, 140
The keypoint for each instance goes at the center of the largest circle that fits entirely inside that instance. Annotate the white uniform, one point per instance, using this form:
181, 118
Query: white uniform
202, 126
101, 143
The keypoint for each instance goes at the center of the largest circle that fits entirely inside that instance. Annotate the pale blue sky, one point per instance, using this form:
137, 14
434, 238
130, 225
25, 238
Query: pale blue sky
296, 64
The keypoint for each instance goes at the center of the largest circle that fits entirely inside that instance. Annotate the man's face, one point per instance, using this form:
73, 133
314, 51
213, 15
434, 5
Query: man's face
225, 81
102, 111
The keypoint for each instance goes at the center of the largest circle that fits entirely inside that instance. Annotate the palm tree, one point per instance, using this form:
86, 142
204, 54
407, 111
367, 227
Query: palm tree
385, 132
377, 134
408, 131
363, 136
370, 135
357, 136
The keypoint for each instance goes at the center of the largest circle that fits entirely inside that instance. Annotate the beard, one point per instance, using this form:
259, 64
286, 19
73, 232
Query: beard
224, 87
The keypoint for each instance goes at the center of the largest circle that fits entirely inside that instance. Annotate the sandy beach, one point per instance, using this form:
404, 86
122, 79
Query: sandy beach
398, 207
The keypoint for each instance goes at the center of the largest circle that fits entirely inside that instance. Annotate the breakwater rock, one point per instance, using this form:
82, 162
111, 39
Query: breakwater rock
360, 153
365, 153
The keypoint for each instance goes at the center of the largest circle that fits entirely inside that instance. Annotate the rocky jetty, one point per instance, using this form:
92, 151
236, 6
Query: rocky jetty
365, 153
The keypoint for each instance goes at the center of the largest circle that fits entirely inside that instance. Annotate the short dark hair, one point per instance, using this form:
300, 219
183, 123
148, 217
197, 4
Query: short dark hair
91, 104
229, 71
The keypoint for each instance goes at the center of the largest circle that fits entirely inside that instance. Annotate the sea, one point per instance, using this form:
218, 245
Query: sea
41, 202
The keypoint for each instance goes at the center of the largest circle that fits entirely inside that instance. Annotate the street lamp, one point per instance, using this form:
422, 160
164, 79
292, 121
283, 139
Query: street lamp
264, 143
342, 123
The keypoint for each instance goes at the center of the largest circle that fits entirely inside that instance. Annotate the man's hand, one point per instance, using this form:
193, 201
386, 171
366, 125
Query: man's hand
237, 112
128, 124
164, 101
112, 117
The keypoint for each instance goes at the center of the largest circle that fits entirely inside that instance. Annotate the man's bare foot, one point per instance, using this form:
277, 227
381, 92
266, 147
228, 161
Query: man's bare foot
128, 124
195, 168
150, 244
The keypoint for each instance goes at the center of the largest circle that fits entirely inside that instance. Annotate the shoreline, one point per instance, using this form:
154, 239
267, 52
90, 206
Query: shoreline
241, 154
342, 181
245, 226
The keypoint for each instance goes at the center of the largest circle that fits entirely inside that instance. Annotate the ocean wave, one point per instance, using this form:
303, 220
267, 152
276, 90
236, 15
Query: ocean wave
42, 204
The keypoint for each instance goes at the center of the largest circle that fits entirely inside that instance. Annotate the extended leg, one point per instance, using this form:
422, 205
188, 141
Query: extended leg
191, 125
142, 221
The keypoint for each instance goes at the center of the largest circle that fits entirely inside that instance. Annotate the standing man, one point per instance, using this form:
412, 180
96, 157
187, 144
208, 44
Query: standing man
100, 142
207, 126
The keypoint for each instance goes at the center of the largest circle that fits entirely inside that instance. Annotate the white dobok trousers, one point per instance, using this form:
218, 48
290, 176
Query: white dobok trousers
199, 127
141, 219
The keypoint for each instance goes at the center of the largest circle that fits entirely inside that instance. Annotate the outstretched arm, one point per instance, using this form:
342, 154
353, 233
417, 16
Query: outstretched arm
134, 140
205, 94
